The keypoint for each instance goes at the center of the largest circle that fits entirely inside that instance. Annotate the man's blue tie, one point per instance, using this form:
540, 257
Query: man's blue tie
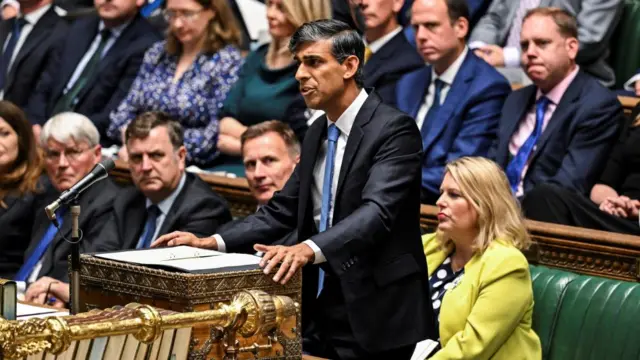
518, 162
18, 23
332, 136
432, 114
149, 227
43, 245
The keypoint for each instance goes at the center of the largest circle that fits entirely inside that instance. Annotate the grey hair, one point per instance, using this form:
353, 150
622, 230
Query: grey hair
70, 125
344, 41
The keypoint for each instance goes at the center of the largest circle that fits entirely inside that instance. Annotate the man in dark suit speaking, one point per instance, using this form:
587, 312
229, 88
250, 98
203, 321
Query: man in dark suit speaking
354, 200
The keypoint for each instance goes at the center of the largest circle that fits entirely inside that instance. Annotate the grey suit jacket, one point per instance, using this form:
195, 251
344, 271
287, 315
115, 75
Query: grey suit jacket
597, 20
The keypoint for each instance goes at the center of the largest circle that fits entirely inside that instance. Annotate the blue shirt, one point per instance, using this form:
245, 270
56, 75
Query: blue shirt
194, 100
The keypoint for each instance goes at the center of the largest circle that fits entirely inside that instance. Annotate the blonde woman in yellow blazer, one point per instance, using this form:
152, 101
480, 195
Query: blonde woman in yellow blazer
486, 302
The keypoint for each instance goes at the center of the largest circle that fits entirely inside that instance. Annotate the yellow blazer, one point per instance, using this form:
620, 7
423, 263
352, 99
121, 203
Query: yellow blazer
488, 314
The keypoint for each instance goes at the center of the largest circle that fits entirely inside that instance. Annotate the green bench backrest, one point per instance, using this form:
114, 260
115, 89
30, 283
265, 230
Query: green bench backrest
625, 54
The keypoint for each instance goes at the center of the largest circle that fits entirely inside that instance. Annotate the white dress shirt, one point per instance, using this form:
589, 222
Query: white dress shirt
164, 206
376, 45
447, 77
115, 34
344, 123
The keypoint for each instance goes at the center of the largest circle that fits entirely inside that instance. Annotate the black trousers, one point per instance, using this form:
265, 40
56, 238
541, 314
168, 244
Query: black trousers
330, 336
551, 203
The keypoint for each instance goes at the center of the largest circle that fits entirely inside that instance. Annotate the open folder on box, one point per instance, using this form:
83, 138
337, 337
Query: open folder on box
186, 258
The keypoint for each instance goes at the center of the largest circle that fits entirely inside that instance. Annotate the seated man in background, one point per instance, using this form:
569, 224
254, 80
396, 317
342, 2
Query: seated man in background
614, 202
496, 37
632, 86
388, 55
92, 70
560, 129
10, 9
165, 198
29, 42
456, 100
71, 146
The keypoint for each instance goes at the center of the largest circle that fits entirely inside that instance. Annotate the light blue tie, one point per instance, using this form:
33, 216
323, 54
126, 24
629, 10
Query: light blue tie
332, 137
517, 164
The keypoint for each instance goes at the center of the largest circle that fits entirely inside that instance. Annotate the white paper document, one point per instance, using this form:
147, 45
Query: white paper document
424, 349
186, 258
25, 311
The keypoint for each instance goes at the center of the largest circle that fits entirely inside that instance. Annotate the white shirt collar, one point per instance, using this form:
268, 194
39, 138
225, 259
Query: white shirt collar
166, 204
348, 117
450, 74
375, 46
33, 17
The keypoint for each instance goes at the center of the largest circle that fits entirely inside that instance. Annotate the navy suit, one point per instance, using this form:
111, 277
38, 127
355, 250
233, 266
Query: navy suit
467, 122
106, 89
387, 65
573, 149
34, 55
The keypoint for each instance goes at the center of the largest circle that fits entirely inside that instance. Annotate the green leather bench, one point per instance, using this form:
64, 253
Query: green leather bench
625, 57
585, 317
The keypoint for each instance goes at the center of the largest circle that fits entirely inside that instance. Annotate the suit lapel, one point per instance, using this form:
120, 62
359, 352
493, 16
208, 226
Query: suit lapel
419, 85
454, 96
528, 95
133, 219
375, 67
563, 111
171, 217
37, 36
311, 146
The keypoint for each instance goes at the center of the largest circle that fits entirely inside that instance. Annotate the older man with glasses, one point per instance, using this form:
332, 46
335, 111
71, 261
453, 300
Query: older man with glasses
71, 145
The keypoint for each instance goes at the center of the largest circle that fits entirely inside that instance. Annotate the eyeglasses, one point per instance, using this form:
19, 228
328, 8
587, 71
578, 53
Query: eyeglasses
70, 154
184, 15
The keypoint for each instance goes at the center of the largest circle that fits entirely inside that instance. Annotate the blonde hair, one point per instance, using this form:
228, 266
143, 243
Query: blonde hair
222, 30
299, 12
483, 183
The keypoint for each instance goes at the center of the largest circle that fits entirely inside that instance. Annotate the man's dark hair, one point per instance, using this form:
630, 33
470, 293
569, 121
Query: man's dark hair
283, 130
344, 41
457, 9
140, 127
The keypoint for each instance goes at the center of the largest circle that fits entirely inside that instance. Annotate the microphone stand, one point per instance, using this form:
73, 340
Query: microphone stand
75, 258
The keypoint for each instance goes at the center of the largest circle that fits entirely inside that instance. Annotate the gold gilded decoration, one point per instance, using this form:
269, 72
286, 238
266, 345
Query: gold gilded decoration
250, 312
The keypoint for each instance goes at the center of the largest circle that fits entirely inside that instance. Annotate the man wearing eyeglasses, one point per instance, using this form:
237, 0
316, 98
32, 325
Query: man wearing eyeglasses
71, 145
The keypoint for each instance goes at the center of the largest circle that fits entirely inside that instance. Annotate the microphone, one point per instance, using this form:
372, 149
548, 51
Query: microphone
99, 172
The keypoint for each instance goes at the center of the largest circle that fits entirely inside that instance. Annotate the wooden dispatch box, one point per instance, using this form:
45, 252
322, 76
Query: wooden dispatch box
106, 283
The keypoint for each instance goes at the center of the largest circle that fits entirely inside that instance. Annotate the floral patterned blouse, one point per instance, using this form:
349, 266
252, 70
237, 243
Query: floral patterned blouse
194, 100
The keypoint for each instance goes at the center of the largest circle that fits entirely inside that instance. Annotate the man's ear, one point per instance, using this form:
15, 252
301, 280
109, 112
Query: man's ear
461, 27
572, 45
182, 156
350, 64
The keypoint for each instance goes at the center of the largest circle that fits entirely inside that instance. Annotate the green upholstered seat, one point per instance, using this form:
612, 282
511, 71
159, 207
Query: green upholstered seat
585, 317
625, 53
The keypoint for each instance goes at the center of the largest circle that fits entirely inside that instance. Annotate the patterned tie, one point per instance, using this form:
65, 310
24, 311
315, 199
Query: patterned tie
18, 24
432, 114
513, 40
43, 245
149, 227
332, 137
68, 101
518, 162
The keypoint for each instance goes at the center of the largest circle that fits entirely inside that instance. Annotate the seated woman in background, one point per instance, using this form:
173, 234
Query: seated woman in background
187, 76
20, 170
480, 281
267, 83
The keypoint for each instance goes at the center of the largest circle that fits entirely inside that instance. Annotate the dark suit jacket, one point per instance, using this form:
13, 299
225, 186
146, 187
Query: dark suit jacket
467, 122
95, 206
575, 145
15, 225
374, 246
196, 209
387, 65
108, 87
34, 55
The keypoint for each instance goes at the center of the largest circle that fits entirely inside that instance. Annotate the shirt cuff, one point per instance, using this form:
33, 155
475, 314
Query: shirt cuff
221, 245
511, 56
631, 83
319, 256
476, 44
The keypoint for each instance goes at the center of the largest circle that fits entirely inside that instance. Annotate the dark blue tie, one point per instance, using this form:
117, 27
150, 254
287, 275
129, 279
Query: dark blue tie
332, 137
432, 114
149, 227
518, 162
18, 23
43, 245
